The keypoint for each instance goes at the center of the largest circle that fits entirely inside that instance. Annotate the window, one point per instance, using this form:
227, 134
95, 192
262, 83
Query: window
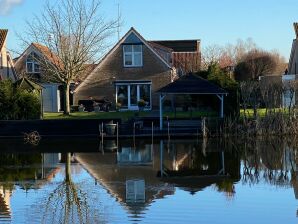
133, 55
135, 191
32, 64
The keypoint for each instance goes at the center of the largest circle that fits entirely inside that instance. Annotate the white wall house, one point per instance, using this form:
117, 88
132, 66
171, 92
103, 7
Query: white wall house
288, 95
7, 70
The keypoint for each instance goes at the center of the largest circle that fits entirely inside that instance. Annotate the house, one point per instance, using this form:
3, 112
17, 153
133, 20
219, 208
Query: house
7, 70
29, 65
287, 82
293, 61
135, 68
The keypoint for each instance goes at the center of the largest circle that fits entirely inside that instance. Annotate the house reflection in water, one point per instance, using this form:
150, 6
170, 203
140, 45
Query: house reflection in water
132, 174
27, 171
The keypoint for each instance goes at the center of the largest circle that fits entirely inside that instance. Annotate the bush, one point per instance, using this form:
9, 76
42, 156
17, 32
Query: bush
18, 104
217, 76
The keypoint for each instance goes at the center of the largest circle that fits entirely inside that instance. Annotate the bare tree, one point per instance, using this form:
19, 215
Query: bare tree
258, 62
74, 33
227, 55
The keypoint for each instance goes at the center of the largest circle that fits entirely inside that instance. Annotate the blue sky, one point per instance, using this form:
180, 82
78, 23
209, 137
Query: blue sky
267, 22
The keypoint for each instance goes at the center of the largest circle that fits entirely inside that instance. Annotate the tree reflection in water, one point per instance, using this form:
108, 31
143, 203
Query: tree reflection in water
266, 160
67, 203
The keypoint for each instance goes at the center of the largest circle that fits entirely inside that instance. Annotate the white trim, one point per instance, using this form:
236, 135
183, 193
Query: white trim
34, 62
132, 30
132, 54
134, 107
131, 83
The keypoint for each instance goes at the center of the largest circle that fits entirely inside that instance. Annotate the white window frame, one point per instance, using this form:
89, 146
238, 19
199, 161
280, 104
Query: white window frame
34, 63
132, 53
129, 106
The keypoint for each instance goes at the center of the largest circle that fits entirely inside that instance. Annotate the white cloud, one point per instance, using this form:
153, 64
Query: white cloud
7, 5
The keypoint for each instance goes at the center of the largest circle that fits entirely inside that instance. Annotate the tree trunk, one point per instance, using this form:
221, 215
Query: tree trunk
66, 99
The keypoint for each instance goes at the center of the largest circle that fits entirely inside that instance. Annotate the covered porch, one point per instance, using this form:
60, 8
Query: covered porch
191, 85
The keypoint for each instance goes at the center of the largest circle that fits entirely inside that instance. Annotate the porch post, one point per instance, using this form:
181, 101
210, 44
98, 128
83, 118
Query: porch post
221, 97
116, 97
222, 106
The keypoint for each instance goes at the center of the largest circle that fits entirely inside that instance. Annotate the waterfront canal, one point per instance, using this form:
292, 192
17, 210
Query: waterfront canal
164, 181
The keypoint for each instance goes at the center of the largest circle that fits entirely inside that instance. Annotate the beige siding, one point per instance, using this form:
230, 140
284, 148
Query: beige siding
101, 83
6, 67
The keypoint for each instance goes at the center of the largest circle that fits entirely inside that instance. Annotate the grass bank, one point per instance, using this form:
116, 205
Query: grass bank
125, 115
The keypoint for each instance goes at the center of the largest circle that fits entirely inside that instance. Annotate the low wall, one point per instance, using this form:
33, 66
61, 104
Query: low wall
53, 127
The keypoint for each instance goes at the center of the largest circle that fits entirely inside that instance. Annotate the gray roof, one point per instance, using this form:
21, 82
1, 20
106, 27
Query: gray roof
192, 84
180, 45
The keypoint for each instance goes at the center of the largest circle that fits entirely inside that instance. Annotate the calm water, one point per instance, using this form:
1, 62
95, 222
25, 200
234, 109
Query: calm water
177, 181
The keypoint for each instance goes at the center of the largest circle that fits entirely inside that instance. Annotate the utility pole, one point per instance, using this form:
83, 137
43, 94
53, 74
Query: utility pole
118, 26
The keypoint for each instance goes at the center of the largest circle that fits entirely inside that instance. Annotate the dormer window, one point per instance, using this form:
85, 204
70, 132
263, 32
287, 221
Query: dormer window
132, 55
32, 64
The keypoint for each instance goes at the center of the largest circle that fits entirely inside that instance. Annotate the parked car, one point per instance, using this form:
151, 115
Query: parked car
104, 104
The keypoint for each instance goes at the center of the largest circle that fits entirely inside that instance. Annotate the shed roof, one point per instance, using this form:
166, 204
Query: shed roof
25, 83
192, 84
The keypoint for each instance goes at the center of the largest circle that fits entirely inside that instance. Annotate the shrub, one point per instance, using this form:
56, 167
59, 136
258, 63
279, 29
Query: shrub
18, 104
219, 77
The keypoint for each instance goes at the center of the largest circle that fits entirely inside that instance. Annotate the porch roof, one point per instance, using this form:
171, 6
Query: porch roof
191, 84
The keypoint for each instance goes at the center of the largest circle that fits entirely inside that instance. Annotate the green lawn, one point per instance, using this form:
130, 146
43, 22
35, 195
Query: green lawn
261, 112
125, 115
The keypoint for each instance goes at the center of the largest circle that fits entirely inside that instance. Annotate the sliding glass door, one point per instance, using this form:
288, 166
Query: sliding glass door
129, 94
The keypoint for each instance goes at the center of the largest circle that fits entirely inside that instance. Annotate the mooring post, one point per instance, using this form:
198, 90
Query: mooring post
168, 130
204, 130
152, 131
223, 162
102, 133
161, 157
134, 132
117, 135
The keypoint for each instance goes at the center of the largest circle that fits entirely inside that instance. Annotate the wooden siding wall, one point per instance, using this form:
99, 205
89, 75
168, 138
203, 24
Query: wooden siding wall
101, 83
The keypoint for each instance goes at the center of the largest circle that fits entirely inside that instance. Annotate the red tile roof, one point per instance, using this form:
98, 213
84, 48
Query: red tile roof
3, 34
52, 57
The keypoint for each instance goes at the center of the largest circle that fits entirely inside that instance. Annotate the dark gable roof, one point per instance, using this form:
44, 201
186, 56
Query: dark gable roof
180, 45
3, 34
26, 84
191, 84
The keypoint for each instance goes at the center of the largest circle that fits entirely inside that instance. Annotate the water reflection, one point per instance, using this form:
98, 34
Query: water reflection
26, 171
139, 175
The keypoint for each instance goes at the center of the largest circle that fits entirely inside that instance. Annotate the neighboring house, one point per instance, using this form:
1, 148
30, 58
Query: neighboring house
7, 70
29, 65
293, 62
284, 85
185, 54
135, 68
288, 81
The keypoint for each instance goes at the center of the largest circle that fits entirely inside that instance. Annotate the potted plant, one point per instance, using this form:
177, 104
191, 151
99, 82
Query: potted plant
81, 108
118, 106
141, 104
96, 107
